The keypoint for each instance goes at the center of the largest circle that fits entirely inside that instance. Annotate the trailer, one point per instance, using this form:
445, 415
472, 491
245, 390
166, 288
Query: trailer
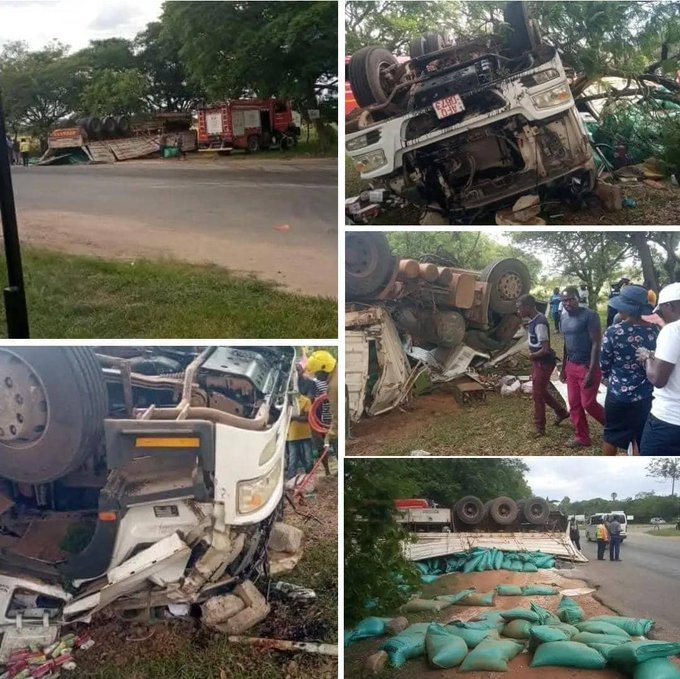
247, 124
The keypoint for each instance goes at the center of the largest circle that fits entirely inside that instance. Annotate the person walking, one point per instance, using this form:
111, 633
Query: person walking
629, 392
575, 535
543, 361
581, 365
602, 538
25, 150
614, 539
661, 435
555, 301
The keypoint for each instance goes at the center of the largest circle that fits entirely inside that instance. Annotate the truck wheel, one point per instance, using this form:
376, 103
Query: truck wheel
367, 75
123, 125
508, 280
503, 511
536, 510
369, 264
94, 127
287, 143
109, 126
524, 33
54, 404
469, 510
253, 144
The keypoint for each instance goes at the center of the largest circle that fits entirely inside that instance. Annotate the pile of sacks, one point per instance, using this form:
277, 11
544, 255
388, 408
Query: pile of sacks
490, 641
480, 559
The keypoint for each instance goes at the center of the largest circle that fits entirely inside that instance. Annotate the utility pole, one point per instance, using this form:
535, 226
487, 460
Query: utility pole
16, 312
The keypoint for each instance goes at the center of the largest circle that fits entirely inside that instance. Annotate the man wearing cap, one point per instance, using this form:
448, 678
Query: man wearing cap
629, 393
323, 366
662, 431
582, 333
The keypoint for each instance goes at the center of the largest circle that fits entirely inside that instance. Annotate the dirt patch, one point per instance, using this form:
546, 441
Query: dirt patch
124, 238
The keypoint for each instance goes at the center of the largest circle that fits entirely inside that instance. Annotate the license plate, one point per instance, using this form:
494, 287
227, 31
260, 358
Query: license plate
448, 106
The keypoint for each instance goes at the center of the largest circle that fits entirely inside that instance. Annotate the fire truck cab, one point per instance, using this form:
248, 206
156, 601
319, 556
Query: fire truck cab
249, 124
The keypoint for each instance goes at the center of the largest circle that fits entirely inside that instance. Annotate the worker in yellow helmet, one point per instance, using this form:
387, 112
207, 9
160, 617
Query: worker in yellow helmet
323, 365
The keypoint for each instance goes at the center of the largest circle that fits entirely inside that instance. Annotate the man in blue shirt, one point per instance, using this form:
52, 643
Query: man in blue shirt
555, 302
582, 334
543, 361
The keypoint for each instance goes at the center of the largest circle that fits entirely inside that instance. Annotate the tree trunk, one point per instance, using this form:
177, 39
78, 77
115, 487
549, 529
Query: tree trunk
640, 243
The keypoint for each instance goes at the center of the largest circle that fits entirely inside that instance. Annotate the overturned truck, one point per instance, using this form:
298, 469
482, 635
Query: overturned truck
462, 128
170, 459
449, 315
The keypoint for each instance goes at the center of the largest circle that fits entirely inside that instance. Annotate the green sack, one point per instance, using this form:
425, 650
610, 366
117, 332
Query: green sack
601, 627
530, 567
567, 654
595, 638
569, 611
506, 564
492, 620
539, 590
657, 668
602, 649
471, 563
170, 152
542, 634
544, 560
509, 590
498, 560
417, 605
636, 627
521, 614
491, 655
545, 617
478, 599
367, 628
444, 650
429, 579
407, 644
517, 629
472, 637
626, 656
569, 629
423, 567
454, 598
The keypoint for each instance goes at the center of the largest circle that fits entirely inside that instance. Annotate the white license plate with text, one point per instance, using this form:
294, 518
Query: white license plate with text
448, 106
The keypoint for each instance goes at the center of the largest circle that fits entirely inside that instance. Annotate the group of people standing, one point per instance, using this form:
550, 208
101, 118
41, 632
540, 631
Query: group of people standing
608, 532
18, 151
638, 356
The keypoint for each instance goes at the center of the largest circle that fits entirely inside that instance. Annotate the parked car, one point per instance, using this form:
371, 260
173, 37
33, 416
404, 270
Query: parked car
656, 520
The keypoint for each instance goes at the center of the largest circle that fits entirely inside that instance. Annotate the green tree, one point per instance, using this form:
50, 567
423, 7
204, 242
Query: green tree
665, 468
115, 92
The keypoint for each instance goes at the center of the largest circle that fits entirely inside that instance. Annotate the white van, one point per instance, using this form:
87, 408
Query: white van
594, 519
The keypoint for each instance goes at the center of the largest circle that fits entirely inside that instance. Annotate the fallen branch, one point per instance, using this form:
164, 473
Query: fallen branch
285, 645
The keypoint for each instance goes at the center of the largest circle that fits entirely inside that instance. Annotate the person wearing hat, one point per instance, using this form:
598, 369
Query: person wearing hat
323, 365
661, 435
629, 394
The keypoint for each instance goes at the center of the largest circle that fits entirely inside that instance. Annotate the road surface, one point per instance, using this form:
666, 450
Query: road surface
273, 217
644, 584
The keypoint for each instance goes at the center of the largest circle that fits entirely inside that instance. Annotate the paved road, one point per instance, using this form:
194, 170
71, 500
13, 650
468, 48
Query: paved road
644, 584
273, 217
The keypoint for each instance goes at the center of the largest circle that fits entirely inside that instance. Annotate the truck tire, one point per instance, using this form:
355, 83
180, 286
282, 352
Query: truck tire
508, 280
365, 75
524, 33
109, 126
94, 127
503, 511
287, 142
56, 402
253, 144
425, 44
369, 264
536, 510
122, 125
469, 510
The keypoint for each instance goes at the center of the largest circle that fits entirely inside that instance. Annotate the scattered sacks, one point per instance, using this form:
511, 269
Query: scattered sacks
567, 654
569, 611
636, 627
491, 655
520, 614
542, 634
601, 627
417, 605
472, 636
595, 638
627, 655
545, 617
657, 668
509, 590
454, 598
444, 649
407, 644
517, 629
366, 629
539, 590
478, 599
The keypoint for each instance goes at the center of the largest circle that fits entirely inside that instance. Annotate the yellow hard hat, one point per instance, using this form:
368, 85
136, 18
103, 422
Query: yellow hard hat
321, 360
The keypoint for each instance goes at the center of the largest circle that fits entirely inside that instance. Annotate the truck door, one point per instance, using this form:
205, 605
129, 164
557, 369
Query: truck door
213, 123
238, 123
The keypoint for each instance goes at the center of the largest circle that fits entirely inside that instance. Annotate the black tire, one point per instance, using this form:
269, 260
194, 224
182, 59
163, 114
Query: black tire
109, 127
287, 143
508, 280
470, 510
536, 510
76, 401
94, 127
415, 47
253, 144
369, 264
426, 44
122, 125
365, 69
503, 511
524, 35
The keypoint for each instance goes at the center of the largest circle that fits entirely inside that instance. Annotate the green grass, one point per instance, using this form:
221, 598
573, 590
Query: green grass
669, 532
87, 297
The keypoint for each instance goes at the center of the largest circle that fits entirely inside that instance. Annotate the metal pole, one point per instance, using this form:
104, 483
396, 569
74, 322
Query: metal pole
14, 294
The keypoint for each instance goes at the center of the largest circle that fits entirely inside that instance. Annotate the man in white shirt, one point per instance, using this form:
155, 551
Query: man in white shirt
662, 431
583, 296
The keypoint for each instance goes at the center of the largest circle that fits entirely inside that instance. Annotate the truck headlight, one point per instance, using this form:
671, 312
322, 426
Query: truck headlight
541, 77
367, 162
357, 143
555, 97
255, 493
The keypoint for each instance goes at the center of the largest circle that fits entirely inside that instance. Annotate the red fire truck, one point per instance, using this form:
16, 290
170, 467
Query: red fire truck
249, 124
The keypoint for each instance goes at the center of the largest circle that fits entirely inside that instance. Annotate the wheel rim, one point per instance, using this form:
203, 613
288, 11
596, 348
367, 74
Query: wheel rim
24, 406
509, 286
470, 510
361, 258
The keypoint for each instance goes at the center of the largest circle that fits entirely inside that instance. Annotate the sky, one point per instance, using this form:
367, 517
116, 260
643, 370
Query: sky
73, 22
583, 478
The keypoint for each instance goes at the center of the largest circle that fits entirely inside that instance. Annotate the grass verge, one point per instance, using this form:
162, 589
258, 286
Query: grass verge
87, 297
664, 532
